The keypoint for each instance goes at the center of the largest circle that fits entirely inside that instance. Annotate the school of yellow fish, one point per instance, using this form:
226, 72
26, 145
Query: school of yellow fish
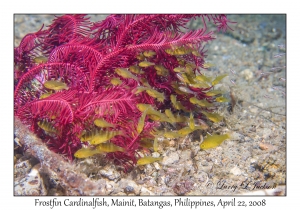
99, 138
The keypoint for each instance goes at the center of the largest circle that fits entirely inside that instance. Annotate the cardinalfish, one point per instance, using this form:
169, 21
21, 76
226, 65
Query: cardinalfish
179, 69
218, 79
171, 134
145, 82
222, 99
192, 121
103, 136
155, 94
147, 143
136, 70
40, 59
202, 103
149, 53
109, 147
200, 85
102, 123
213, 116
146, 64
161, 70
141, 122
203, 78
87, 135
183, 77
185, 131
157, 116
140, 57
125, 74
213, 141
47, 126
196, 53
139, 89
176, 104
45, 95
148, 160
208, 65
55, 85
86, 152
143, 107
189, 71
152, 113
214, 92
155, 144
170, 115
181, 51
186, 90
115, 81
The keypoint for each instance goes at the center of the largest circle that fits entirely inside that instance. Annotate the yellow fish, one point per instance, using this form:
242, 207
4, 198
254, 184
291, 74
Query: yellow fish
109, 147
47, 126
186, 90
145, 82
103, 136
136, 70
149, 53
115, 81
213, 141
146, 64
140, 57
218, 79
208, 65
45, 95
147, 143
155, 144
157, 116
180, 118
161, 70
169, 51
185, 131
170, 115
125, 74
40, 59
55, 85
214, 92
141, 122
171, 134
155, 94
143, 107
139, 89
213, 116
200, 85
148, 160
101, 123
203, 78
196, 53
202, 103
192, 121
176, 104
181, 51
87, 135
86, 152
179, 69
183, 77
222, 99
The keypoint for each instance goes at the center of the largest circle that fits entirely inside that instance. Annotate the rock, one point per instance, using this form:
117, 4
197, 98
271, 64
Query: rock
170, 159
145, 191
129, 186
185, 155
236, 171
247, 74
32, 184
109, 173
